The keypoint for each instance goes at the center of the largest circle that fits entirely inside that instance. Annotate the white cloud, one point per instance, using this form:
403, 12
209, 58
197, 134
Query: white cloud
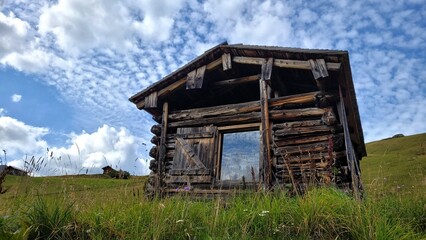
16, 97
107, 146
17, 137
13, 34
79, 25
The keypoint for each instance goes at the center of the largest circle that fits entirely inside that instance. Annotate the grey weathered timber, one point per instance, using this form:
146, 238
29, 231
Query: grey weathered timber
284, 63
151, 100
236, 81
163, 139
318, 68
253, 106
300, 102
226, 61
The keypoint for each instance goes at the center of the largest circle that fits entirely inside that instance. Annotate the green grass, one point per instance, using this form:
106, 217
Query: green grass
94, 207
395, 166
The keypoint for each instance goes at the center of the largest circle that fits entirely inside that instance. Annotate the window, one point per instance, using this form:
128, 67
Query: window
240, 156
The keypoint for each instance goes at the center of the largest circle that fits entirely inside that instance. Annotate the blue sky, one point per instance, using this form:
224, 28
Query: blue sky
68, 67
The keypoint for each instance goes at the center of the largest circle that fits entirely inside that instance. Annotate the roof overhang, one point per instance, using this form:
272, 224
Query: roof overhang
287, 57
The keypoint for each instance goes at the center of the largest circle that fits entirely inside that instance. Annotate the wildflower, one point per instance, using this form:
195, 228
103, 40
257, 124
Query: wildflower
187, 188
263, 213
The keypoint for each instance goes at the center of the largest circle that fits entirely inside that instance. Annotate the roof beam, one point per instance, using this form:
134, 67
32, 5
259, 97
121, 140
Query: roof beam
284, 63
179, 83
236, 81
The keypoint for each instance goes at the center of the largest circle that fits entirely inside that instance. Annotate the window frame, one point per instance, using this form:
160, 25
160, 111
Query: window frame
233, 129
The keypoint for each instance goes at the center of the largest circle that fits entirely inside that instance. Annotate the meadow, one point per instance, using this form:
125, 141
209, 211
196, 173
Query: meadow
95, 207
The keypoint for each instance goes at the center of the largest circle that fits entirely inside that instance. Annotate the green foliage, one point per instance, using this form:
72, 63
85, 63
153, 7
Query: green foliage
105, 208
119, 174
55, 222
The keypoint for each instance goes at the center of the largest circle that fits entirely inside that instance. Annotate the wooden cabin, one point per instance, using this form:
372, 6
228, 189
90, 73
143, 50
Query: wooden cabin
10, 170
107, 170
241, 117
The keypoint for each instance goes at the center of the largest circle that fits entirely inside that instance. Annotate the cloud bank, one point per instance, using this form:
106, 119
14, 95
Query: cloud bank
84, 153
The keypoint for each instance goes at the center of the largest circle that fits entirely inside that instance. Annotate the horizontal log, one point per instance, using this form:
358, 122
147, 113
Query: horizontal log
236, 81
313, 147
218, 121
284, 63
307, 129
293, 114
156, 129
326, 99
155, 140
322, 156
230, 109
287, 114
307, 123
153, 165
153, 152
175, 172
305, 139
188, 179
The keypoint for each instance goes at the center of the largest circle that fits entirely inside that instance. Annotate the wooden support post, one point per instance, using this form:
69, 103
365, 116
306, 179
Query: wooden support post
351, 156
266, 135
163, 141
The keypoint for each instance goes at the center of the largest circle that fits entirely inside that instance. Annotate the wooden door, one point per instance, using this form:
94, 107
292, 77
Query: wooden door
193, 160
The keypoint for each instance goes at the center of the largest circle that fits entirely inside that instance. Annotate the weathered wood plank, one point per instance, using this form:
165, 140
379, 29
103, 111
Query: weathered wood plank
190, 79
289, 114
163, 139
219, 120
189, 179
179, 83
226, 61
266, 135
303, 148
230, 109
306, 157
151, 100
251, 117
199, 77
307, 123
305, 139
284, 63
236, 81
307, 129
193, 160
267, 69
318, 68
248, 60
189, 172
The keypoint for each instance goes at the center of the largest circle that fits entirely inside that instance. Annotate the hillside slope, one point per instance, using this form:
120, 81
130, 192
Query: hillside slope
396, 165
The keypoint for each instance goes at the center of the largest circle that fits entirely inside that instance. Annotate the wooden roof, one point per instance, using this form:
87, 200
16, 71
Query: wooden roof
172, 87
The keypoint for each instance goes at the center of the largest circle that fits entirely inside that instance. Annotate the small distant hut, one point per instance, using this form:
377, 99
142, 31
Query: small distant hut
107, 170
10, 170
241, 117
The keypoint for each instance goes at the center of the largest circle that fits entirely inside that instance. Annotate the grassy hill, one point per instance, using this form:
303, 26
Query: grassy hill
396, 166
95, 207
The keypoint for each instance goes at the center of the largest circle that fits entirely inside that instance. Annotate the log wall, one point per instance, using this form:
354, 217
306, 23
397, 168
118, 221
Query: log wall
307, 143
